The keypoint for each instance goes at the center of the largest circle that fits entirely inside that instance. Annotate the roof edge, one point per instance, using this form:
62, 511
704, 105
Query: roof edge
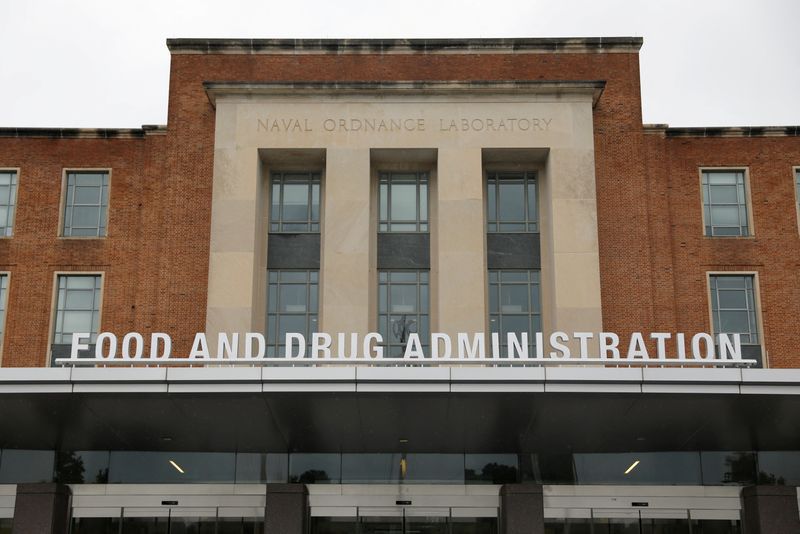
723, 131
405, 46
85, 133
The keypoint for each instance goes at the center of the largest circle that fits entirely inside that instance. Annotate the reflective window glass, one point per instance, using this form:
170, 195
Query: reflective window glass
403, 301
473, 525
725, 203
512, 204
251, 467
403, 202
24, 465
3, 300
491, 468
728, 468
77, 307
8, 201
145, 525
6, 523
716, 526
434, 468
733, 306
192, 525
313, 468
638, 468
292, 302
82, 467
779, 467
515, 306
334, 525
568, 526
665, 526
149, 467
295, 202
240, 525
86, 204
380, 525
95, 525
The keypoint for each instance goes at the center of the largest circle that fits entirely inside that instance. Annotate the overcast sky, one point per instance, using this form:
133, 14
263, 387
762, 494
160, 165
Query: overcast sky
104, 63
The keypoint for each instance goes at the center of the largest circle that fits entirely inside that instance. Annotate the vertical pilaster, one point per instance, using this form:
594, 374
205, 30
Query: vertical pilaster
347, 272
459, 244
770, 510
286, 508
42, 509
521, 509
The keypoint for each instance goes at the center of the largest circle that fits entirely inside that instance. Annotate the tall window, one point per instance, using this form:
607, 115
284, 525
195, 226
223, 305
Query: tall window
86, 205
515, 305
797, 189
77, 307
8, 200
725, 203
511, 204
403, 309
733, 307
292, 304
3, 297
295, 202
403, 201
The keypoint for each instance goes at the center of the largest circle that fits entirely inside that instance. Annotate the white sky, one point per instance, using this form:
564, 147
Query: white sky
104, 63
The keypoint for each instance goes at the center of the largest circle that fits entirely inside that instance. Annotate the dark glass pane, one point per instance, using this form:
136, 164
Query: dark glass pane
165, 467
94, 525
665, 526
511, 202
82, 467
145, 525
6, 523
403, 298
192, 525
380, 525
473, 525
277, 467
447, 468
616, 526
22, 465
652, 468
568, 526
716, 526
491, 468
293, 298
776, 467
314, 468
728, 468
727, 231
251, 467
370, 468
334, 525
553, 468
514, 298
427, 525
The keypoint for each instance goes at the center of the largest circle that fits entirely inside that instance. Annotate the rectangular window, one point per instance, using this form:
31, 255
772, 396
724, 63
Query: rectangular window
292, 302
797, 189
733, 306
511, 204
725, 203
403, 202
3, 297
295, 202
515, 305
403, 309
8, 201
86, 204
77, 307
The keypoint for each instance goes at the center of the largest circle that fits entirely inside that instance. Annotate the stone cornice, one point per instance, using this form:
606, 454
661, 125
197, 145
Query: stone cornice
550, 45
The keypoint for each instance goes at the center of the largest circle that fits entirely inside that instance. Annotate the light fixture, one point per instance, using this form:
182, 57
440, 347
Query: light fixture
403, 440
632, 467
176, 466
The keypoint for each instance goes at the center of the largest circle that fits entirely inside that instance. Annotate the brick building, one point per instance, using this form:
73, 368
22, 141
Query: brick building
401, 188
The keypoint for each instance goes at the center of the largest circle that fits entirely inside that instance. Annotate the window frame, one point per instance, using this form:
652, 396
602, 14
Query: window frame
418, 182
16, 171
63, 203
54, 305
387, 344
4, 304
795, 183
529, 314
745, 170
758, 305
307, 314
319, 174
529, 176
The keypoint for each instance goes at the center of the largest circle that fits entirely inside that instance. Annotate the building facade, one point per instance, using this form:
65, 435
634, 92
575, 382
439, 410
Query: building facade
380, 193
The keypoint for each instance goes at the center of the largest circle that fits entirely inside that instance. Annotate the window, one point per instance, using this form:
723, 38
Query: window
403, 201
295, 202
515, 305
8, 200
3, 297
725, 203
291, 307
733, 307
402, 309
86, 206
511, 202
797, 189
77, 307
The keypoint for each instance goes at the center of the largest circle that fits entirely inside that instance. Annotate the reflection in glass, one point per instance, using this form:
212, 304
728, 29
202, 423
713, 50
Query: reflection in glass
511, 202
192, 525
251, 467
716, 526
295, 202
334, 525
568, 526
314, 468
728, 468
724, 203
240, 525
403, 309
514, 306
94, 525
403, 202
381, 525
149, 467
145, 525
616, 526
491, 468
779, 467
292, 300
426, 525
665, 526
82, 467
653, 468
24, 465
473, 525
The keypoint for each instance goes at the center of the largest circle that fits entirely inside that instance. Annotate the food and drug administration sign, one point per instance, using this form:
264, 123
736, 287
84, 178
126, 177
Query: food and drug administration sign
657, 349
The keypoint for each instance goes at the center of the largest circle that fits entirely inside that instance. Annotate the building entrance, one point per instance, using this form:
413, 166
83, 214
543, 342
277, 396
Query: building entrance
405, 521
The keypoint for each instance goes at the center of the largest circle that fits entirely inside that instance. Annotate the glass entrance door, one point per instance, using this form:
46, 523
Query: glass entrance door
641, 522
405, 521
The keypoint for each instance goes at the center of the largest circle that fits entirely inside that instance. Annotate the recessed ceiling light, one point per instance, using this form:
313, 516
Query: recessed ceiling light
632, 467
176, 466
403, 440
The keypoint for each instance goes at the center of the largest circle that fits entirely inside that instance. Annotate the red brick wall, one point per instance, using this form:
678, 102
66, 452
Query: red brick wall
653, 256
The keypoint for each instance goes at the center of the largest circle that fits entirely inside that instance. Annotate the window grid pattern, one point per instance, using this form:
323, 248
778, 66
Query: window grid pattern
3, 296
725, 204
515, 305
733, 307
511, 202
403, 201
86, 206
292, 307
8, 201
78, 307
295, 202
403, 300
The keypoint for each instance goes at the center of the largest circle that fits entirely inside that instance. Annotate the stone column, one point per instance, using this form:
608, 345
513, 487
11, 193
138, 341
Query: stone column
286, 508
459, 249
521, 509
770, 510
42, 509
346, 276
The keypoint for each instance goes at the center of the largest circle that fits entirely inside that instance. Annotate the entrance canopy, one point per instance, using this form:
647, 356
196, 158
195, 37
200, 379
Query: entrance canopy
325, 409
